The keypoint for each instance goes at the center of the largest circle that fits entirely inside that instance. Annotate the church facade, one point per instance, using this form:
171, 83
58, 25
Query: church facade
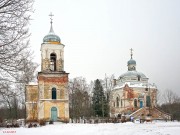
48, 99
133, 95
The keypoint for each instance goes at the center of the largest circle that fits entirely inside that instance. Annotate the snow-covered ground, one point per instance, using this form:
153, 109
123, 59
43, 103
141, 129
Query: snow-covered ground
155, 128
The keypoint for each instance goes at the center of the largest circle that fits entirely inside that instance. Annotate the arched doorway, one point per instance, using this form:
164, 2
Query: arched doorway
53, 62
135, 102
141, 104
54, 113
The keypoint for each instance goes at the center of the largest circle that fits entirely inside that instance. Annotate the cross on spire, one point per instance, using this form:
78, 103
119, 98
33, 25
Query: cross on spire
51, 29
131, 52
51, 15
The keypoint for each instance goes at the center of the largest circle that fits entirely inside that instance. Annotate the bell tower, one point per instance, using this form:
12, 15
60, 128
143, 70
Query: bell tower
53, 99
52, 52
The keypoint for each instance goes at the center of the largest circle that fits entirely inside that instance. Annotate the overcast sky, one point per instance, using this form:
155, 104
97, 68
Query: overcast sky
98, 35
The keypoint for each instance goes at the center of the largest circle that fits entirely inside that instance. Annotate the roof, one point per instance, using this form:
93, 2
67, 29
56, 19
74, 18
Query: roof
135, 85
51, 37
132, 73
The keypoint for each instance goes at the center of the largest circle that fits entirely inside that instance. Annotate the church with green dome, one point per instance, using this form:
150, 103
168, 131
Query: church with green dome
48, 100
133, 96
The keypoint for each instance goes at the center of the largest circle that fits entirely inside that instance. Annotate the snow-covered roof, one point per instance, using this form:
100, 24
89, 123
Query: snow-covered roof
135, 85
33, 83
132, 74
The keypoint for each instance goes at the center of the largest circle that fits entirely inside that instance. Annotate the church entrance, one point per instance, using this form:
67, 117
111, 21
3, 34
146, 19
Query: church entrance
141, 104
54, 113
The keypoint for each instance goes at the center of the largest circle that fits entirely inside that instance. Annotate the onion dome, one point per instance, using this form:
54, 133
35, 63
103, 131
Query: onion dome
131, 61
132, 74
51, 37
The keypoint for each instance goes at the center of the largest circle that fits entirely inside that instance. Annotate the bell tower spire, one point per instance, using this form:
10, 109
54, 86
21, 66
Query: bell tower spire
51, 29
52, 52
51, 37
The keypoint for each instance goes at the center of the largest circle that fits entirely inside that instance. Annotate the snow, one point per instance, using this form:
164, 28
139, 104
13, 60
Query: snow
135, 85
33, 83
129, 128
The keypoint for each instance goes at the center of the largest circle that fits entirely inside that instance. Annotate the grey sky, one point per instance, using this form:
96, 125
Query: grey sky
98, 34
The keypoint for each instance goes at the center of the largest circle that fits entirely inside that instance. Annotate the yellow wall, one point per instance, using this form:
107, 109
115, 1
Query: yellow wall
59, 105
31, 102
42, 93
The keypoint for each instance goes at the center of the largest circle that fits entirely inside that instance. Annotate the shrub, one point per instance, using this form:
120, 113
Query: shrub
30, 125
34, 125
42, 122
51, 122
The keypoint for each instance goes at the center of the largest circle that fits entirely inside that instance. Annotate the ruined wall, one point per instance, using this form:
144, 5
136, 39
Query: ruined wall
31, 102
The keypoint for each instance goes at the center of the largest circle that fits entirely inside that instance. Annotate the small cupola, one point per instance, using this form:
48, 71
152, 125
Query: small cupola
131, 63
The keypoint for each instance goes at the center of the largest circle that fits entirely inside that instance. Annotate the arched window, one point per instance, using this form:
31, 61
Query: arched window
148, 101
53, 93
53, 62
135, 102
139, 77
117, 101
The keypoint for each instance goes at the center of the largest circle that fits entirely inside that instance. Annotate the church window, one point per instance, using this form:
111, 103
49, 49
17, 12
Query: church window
53, 93
53, 62
139, 77
117, 102
148, 101
121, 103
135, 102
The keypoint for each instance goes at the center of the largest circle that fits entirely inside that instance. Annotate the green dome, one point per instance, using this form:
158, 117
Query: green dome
131, 61
51, 37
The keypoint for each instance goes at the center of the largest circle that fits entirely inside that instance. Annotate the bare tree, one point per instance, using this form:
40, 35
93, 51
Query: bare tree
159, 97
6, 94
14, 18
15, 53
170, 97
79, 98
13, 94
108, 85
171, 104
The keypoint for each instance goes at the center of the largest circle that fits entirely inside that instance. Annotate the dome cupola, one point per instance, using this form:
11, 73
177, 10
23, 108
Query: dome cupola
132, 75
51, 37
131, 63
